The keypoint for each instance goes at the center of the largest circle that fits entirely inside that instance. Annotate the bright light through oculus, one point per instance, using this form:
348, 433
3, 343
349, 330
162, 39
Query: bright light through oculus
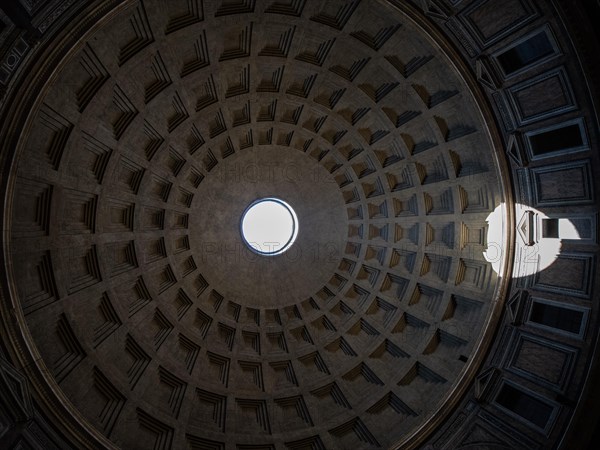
269, 226
538, 242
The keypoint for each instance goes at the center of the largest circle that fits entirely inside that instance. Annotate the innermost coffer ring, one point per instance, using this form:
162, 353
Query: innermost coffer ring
269, 226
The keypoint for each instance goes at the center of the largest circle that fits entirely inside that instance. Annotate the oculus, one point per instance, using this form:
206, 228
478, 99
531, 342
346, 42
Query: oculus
269, 226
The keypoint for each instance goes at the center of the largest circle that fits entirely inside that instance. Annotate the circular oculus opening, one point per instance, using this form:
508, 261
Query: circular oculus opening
269, 226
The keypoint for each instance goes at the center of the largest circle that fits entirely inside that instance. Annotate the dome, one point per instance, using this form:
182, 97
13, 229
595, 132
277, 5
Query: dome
427, 283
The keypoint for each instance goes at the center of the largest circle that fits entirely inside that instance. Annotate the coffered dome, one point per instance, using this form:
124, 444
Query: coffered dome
415, 290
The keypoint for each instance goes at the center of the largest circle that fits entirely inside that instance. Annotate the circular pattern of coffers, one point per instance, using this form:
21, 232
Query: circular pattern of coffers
148, 144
